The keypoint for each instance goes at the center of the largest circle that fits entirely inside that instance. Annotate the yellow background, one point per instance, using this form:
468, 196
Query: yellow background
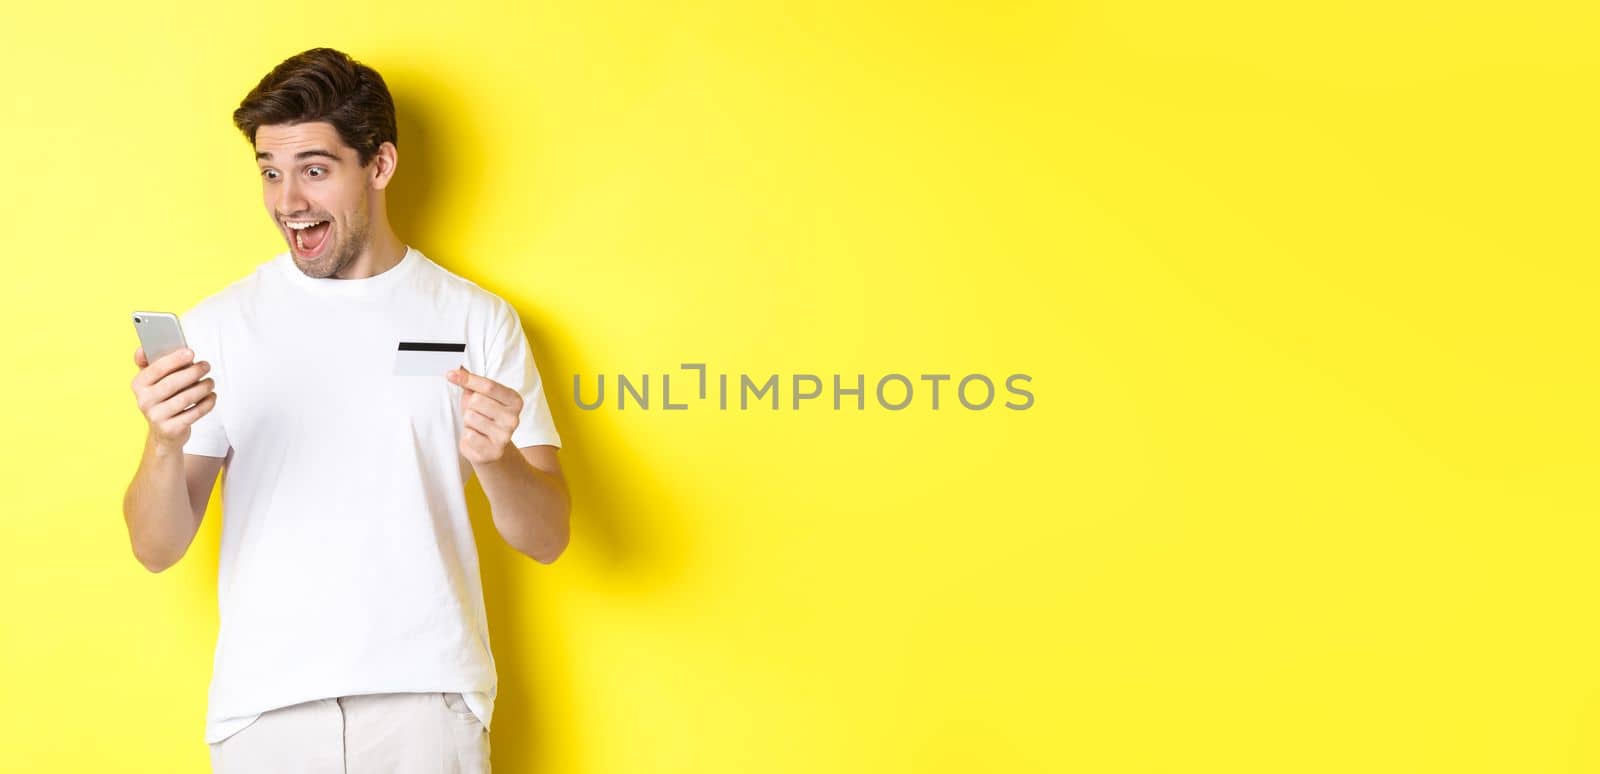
1307, 293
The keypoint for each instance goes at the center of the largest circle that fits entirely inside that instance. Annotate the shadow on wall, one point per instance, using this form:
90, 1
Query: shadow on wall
615, 531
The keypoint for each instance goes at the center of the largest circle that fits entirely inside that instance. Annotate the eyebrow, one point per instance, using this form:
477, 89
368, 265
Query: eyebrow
305, 154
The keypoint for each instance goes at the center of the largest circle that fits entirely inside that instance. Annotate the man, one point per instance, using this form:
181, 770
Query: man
352, 634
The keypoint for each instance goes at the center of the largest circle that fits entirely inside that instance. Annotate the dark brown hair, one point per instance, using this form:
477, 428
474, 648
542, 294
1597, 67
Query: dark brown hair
323, 84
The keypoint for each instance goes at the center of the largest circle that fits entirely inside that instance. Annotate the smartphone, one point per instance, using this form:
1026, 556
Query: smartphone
159, 334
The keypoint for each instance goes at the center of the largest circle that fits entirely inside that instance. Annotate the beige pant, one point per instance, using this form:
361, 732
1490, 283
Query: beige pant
402, 733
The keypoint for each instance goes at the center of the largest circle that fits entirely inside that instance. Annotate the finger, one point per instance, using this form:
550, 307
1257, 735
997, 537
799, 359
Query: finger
474, 439
177, 380
165, 365
138, 358
497, 418
480, 423
191, 415
489, 407
175, 405
485, 386
201, 407
175, 359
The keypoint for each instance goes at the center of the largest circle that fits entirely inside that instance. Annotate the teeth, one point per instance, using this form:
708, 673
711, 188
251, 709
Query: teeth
298, 226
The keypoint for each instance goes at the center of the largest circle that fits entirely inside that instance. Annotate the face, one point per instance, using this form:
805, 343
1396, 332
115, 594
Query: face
309, 176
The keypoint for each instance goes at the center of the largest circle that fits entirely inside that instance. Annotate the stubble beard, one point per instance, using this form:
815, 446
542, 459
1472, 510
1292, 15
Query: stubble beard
339, 255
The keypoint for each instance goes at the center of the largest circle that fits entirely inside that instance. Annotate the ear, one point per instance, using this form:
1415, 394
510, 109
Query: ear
383, 165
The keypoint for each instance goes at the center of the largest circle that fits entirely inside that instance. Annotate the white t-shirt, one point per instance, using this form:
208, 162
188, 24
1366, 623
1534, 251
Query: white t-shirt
347, 563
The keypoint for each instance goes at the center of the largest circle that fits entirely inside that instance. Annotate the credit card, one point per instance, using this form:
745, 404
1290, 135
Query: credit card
428, 358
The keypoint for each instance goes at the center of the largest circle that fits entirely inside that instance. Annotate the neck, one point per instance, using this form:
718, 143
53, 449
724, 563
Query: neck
381, 254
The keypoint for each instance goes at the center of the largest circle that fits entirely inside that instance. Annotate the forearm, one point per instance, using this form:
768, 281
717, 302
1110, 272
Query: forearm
161, 522
530, 506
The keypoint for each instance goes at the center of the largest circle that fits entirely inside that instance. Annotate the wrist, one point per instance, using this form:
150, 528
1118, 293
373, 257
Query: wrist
162, 449
508, 456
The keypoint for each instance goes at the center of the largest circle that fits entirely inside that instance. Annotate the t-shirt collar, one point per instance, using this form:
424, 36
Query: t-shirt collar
377, 283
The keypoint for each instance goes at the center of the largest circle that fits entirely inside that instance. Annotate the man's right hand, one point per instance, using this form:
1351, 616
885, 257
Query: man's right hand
166, 387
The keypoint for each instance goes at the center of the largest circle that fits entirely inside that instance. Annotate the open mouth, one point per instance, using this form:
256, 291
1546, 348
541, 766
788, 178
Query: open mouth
309, 236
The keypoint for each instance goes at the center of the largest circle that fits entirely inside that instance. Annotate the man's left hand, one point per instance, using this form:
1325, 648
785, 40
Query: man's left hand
490, 412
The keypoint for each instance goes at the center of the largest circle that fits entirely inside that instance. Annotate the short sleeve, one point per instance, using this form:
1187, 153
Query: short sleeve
207, 437
510, 362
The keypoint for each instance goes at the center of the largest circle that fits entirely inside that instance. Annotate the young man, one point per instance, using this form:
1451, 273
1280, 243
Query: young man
353, 631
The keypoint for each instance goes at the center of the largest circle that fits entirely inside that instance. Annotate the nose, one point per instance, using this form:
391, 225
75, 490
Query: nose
291, 201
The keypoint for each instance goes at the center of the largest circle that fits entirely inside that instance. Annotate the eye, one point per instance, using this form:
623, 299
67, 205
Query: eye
269, 174
322, 170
